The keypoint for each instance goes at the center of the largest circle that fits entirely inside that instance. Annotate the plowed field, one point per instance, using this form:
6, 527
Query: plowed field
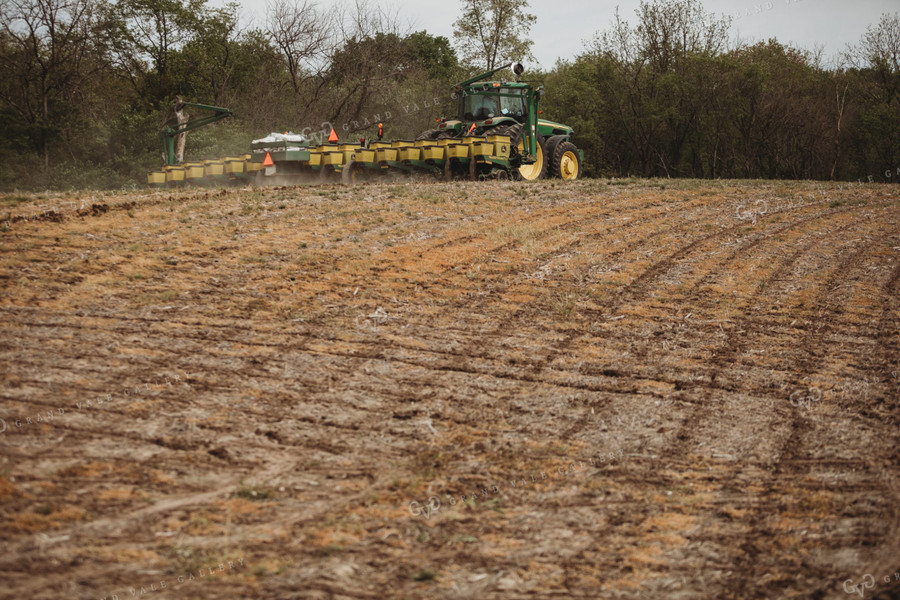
610, 389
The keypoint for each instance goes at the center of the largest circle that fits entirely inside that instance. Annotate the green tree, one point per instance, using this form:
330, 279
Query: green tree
204, 68
876, 66
149, 33
490, 33
47, 50
577, 95
662, 70
434, 54
665, 98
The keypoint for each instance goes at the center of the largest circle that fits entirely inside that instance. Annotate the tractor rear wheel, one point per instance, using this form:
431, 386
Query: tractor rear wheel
537, 169
566, 162
529, 172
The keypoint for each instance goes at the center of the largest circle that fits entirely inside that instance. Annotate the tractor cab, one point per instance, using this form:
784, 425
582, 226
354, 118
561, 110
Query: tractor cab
493, 100
487, 104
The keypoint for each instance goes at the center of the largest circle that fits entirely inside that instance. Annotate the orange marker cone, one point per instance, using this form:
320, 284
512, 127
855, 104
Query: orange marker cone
267, 161
332, 137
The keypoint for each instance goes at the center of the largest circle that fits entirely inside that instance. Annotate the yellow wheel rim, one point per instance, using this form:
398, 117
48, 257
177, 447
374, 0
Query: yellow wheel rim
532, 171
568, 166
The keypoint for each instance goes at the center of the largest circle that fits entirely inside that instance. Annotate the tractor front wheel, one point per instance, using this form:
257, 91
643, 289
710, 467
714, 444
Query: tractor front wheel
566, 162
550, 149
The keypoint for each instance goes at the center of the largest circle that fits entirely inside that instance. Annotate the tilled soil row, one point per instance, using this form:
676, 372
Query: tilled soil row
596, 390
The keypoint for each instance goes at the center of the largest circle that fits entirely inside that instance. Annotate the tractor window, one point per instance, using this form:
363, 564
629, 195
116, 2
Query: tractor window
513, 106
478, 107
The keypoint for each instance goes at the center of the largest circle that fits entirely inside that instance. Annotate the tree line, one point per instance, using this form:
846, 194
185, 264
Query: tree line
668, 97
87, 86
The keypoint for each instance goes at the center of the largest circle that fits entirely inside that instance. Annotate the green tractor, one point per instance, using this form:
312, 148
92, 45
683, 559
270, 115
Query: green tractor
539, 148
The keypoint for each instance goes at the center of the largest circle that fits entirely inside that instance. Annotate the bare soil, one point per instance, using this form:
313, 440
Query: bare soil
609, 389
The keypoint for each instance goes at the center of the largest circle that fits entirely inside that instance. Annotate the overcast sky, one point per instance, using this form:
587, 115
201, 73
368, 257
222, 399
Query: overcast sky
563, 26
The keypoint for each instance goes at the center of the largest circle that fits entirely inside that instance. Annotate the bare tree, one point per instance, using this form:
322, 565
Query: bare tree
879, 51
670, 31
151, 32
841, 85
51, 41
492, 32
665, 85
303, 35
368, 62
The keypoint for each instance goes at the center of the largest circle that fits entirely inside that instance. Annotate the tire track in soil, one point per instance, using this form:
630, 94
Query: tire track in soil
743, 330
371, 356
708, 377
343, 356
887, 357
656, 216
684, 438
633, 291
733, 349
755, 241
887, 332
814, 217
751, 570
380, 357
186, 500
633, 221
498, 332
476, 307
640, 288
305, 347
370, 488
697, 408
